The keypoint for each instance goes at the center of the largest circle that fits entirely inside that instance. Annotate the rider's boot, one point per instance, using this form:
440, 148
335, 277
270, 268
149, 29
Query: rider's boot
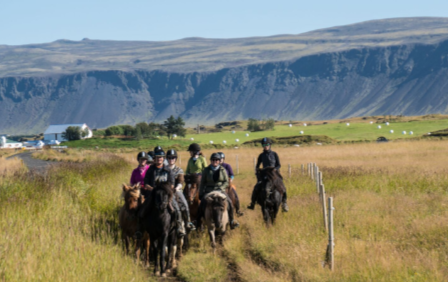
233, 224
190, 224
254, 197
180, 224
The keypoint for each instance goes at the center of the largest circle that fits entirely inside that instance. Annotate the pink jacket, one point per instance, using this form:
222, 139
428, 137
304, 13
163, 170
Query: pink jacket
138, 175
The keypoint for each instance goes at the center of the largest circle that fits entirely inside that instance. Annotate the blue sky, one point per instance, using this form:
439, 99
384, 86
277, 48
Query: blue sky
38, 21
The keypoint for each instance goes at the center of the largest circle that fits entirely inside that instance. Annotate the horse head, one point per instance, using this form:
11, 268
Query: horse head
132, 197
162, 196
218, 205
191, 190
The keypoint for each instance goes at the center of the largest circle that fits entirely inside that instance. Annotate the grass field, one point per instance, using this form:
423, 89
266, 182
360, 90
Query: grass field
390, 219
338, 131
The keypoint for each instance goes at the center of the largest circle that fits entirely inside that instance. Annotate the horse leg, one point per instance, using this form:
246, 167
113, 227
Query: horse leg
180, 245
146, 245
266, 217
211, 233
155, 252
125, 239
163, 254
137, 250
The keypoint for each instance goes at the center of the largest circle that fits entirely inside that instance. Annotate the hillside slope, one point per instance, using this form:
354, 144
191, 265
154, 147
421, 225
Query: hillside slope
383, 78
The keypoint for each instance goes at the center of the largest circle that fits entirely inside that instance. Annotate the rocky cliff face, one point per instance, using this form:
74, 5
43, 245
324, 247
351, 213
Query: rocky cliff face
408, 79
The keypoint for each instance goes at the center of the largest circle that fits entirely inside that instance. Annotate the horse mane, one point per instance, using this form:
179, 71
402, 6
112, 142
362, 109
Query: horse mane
274, 177
165, 187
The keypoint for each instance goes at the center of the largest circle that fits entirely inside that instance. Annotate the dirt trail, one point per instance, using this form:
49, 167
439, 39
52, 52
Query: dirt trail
36, 165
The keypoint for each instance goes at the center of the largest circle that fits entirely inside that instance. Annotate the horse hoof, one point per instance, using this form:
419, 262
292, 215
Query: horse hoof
157, 273
164, 275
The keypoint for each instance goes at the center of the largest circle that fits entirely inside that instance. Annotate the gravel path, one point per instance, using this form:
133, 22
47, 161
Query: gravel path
36, 165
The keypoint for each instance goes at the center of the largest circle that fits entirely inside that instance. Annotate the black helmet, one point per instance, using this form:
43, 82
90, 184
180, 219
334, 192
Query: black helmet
171, 153
158, 151
151, 154
222, 155
266, 141
194, 147
215, 156
142, 155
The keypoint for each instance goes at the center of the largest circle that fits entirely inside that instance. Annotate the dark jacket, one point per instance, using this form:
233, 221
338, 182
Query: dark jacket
229, 169
208, 183
155, 175
269, 159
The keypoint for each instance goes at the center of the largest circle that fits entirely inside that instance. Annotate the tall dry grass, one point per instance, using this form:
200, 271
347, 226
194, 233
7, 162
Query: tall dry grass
63, 226
390, 218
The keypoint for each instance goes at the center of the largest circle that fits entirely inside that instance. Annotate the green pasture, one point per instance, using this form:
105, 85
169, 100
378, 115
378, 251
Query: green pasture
338, 131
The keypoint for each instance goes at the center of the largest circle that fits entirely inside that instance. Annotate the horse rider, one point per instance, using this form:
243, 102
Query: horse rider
158, 173
214, 178
231, 176
151, 154
268, 158
138, 174
178, 174
196, 163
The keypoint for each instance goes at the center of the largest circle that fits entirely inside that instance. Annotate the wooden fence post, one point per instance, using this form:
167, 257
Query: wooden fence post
330, 234
308, 169
318, 181
324, 206
312, 171
237, 166
302, 168
289, 170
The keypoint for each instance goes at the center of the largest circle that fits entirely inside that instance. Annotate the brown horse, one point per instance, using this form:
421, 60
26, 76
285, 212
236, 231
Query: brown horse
216, 217
231, 192
128, 221
191, 193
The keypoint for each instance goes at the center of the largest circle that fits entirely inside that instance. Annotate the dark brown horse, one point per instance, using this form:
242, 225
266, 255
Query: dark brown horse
271, 193
216, 217
191, 193
231, 192
128, 221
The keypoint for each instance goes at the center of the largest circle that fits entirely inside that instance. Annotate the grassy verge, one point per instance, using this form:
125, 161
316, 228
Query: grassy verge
64, 226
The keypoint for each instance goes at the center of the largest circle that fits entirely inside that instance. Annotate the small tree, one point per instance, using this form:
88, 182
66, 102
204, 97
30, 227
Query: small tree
138, 133
144, 129
269, 124
253, 125
72, 133
180, 130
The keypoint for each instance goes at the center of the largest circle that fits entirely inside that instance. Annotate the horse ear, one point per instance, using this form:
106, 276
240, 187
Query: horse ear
136, 186
209, 200
125, 188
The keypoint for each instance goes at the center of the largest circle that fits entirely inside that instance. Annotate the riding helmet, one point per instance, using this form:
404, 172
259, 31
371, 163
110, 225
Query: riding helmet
266, 141
222, 155
158, 151
151, 154
215, 156
194, 147
171, 153
142, 155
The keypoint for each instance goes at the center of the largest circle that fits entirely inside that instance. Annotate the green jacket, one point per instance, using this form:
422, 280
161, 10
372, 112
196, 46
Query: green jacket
196, 167
208, 184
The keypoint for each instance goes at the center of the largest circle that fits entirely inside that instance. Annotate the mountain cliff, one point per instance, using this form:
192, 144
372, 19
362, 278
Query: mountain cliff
396, 66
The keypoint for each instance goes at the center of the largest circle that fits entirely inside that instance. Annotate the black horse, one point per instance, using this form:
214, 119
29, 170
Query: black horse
270, 193
160, 225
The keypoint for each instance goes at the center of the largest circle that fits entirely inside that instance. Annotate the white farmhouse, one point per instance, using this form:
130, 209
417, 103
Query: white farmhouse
54, 131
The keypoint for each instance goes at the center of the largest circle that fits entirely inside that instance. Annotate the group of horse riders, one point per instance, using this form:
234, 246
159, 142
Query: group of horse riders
158, 166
